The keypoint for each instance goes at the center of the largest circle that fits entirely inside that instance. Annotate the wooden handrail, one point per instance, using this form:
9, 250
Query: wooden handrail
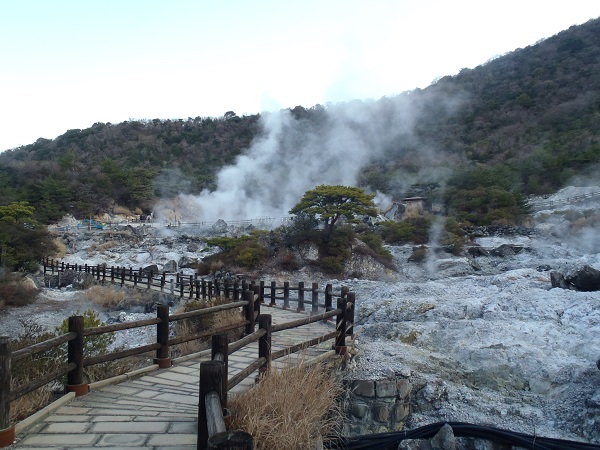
40, 347
303, 345
205, 311
39, 382
120, 326
248, 339
92, 360
243, 374
305, 321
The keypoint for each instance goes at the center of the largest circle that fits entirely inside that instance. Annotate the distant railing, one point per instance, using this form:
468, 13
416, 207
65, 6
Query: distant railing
172, 224
545, 204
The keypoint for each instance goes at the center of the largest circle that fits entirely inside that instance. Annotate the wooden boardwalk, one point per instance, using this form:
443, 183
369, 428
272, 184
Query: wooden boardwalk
153, 408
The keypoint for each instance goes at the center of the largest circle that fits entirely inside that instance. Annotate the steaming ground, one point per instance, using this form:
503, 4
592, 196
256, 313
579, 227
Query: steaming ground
484, 340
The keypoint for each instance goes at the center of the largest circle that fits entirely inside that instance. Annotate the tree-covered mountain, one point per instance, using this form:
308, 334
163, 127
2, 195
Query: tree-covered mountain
523, 123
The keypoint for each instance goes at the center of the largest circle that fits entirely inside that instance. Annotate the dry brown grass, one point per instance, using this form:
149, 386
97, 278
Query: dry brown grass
292, 409
15, 291
61, 248
106, 297
29, 404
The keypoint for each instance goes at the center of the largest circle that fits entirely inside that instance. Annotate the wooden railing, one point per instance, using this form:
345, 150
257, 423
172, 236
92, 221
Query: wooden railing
215, 384
253, 294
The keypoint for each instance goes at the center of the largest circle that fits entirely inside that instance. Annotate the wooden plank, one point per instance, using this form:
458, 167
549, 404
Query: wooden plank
240, 343
120, 326
305, 321
92, 360
240, 376
42, 346
204, 311
39, 382
303, 345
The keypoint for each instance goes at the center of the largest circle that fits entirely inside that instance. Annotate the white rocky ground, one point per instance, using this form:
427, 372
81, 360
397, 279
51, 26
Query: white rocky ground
484, 340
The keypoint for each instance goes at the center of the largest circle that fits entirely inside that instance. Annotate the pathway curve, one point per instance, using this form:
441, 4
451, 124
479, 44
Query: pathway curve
158, 408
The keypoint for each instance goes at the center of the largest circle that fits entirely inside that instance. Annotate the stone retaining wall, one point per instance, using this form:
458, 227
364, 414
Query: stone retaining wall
376, 406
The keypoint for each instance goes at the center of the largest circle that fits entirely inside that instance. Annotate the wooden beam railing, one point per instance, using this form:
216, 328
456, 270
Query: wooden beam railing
253, 294
75, 339
192, 287
211, 437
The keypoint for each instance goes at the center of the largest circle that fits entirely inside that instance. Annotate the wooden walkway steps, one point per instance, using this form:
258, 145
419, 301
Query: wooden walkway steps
159, 408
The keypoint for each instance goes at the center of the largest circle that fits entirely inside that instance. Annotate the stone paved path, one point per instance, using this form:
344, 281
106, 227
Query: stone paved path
157, 410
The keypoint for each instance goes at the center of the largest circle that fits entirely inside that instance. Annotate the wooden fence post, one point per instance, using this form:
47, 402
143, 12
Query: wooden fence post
163, 279
7, 433
315, 299
300, 296
286, 295
197, 285
236, 291
261, 292
75, 355
227, 289
328, 299
273, 293
210, 290
249, 311
203, 289
162, 337
256, 289
340, 325
220, 346
211, 375
264, 343
351, 296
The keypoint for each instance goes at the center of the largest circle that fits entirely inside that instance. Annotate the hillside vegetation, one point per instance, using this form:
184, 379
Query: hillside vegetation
523, 123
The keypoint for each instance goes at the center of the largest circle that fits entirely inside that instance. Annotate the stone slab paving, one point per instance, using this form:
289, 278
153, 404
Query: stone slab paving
159, 409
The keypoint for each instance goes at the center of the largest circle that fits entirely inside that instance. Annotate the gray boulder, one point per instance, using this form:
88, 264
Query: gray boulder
188, 263
586, 279
170, 267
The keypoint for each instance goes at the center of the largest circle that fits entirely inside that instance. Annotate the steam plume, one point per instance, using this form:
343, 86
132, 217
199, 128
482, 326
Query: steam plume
299, 150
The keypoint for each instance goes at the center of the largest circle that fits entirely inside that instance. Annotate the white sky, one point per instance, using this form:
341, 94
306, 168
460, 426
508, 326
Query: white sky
70, 63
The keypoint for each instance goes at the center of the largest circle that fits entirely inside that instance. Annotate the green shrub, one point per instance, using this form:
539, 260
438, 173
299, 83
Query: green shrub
251, 256
332, 264
249, 251
411, 229
419, 254
375, 243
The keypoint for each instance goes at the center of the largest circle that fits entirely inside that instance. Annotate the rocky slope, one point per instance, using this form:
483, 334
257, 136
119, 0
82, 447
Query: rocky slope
482, 339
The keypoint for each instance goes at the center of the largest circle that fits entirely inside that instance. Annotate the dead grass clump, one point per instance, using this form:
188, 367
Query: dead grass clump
16, 291
61, 248
183, 328
293, 408
106, 297
107, 245
31, 403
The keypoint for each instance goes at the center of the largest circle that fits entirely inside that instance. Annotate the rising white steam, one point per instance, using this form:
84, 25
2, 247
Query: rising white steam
294, 154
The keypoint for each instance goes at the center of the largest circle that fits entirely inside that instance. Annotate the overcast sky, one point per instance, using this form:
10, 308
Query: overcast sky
70, 63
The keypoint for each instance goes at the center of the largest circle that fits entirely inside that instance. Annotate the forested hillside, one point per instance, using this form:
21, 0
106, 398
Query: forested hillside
524, 123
